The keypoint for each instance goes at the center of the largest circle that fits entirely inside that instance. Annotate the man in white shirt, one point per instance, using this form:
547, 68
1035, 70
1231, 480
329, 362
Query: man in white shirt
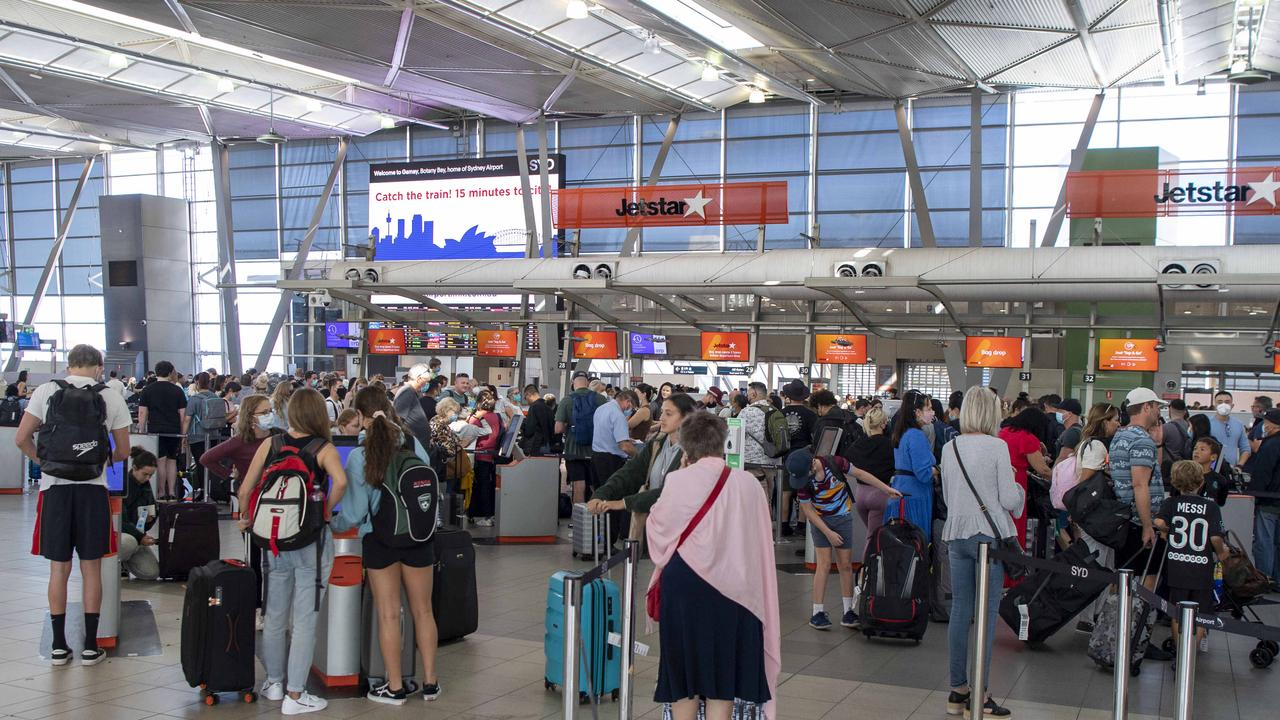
74, 514
114, 383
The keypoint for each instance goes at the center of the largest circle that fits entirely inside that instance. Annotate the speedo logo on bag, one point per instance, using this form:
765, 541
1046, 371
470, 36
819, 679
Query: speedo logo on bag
84, 447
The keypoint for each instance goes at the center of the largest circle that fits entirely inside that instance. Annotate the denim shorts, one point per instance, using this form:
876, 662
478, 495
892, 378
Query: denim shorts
842, 525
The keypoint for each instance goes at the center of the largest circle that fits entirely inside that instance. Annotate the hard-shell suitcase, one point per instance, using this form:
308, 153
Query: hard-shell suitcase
373, 669
218, 630
939, 575
188, 537
1044, 602
1102, 643
590, 533
600, 664
454, 600
894, 598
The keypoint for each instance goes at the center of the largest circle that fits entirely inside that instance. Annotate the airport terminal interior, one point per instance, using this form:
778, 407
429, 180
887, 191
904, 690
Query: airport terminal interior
561, 279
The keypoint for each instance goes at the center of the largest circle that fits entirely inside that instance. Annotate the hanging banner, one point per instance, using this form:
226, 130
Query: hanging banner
595, 345
840, 349
742, 203
1166, 192
385, 342
497, 343
726, 346
993, 352
1133, 354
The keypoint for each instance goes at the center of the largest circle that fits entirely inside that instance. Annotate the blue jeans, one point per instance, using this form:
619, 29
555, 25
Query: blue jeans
964, 578
1266, 543
291, 609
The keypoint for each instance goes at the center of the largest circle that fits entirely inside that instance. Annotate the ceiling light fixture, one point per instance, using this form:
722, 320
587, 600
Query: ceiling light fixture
106, 147
756, 97
226, 85
576, 10
118, 61
387, 122
652, 44
710, 73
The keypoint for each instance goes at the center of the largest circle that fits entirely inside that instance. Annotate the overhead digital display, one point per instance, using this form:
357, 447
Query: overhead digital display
497, 343
1133, 354
595, 345
993, 352
840, 349
28, 339
385, 342
341, 335
726, 346
646, 344
454, 209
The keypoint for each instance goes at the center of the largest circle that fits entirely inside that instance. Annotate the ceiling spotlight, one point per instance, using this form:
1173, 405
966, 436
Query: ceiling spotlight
387, 122
226, 85
710, 73
576, 10
652, 44
106, 147
939, 308
118, 61
756, 96
312, 105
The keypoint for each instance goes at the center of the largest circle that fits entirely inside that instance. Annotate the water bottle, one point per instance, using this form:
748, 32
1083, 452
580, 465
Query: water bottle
1217, 582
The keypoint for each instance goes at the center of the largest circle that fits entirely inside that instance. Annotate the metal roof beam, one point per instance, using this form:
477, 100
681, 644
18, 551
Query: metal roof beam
1054, 226
666, 303
931, 36
432, 303
1080, 19
840, 295
402, 45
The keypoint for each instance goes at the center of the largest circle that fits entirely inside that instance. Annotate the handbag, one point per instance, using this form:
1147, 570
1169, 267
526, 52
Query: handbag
653, 598
1007, 544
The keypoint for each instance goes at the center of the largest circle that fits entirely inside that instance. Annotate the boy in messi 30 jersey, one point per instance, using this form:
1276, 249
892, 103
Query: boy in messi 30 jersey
1193, 528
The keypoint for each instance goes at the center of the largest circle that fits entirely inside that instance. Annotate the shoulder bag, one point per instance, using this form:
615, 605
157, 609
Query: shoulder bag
653, 598
1007, 544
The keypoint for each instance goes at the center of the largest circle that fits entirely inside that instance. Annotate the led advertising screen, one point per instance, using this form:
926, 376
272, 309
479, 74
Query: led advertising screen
385, 341
341, 335
595, 345
497, 343
993, 352
840, 349
461, 209
1132, 354
646, 344
726, 346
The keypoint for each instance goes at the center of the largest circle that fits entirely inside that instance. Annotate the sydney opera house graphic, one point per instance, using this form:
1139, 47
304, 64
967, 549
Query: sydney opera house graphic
418, 243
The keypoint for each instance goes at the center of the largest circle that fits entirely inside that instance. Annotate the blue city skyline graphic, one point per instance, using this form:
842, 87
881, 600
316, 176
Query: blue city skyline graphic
418, 243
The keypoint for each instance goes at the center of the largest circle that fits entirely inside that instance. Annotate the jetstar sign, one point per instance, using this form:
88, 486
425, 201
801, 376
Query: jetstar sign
746, 203
1156, 193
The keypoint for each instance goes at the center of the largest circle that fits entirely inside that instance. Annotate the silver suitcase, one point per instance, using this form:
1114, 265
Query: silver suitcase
372, 666
590, 533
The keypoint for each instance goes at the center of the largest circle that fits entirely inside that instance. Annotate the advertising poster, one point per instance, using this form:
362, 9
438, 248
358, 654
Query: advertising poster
497, 343
1132, 354
993, 352
1275, 360
595, 345
463, 209
726, 346
385, 342
840, 349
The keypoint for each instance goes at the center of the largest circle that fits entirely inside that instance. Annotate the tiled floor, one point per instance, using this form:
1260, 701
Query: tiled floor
498, 672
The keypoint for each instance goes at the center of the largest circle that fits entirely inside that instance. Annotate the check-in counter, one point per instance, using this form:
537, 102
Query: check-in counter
528, 497
857, 543
337, 653
109, 619
13, 466
1237, 516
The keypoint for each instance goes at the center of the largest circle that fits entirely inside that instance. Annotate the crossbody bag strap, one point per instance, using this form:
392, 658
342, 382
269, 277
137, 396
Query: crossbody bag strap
702, 511
955, 448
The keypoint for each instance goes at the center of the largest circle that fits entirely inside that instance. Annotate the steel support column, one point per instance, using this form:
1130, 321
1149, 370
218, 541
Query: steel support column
304, 248
975, 167
1054, 226
526, 194
629, 246
226, 281
544, 194
913, 176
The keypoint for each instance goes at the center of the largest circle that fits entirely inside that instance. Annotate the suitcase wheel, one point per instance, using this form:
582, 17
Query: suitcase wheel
1135, 670
249, 696
547, 684
583, 699
616, 695
1271, 645
1168, 645
1261, 657
209, 698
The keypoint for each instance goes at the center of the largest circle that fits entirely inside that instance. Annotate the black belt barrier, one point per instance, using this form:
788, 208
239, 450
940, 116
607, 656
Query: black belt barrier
1077, 571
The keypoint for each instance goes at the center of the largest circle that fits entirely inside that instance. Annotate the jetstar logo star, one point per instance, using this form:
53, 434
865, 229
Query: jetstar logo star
662, 206
1220, 193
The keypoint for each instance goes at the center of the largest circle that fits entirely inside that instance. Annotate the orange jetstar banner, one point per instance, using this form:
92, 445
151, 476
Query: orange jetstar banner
993, 352
726, 346
595, 345
742, 203
840, 349
1165, 192
1138, 355
1275, 359
385, 342
497, 343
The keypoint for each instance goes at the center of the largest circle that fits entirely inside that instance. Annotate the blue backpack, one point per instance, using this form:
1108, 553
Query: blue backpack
584, 414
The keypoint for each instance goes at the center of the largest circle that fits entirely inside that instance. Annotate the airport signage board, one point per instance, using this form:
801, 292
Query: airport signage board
739, 203
1131, 354
595, 345
993, 352
385, 341
689, 369
1165, 192
726, 346
731, 370
839, 350
497, 343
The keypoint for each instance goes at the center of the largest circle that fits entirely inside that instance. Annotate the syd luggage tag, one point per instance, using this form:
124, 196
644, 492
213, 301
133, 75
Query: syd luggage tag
637, 647
1024, 625
144, 513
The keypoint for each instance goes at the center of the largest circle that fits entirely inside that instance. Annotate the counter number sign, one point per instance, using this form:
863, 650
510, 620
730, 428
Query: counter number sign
562, 365
1089, 378
1024, 377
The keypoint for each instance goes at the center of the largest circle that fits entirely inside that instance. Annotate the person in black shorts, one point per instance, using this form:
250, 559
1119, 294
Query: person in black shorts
389, 568
162, 410
74, 515
1193, 531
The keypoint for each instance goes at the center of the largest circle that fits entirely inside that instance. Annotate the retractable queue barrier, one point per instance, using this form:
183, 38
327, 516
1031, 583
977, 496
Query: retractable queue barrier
978, 671
573, 584
109, 613
1186, 666
337, 653
1120, 707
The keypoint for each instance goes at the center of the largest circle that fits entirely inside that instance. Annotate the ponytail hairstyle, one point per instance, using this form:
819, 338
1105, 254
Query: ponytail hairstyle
384, 435
139, 458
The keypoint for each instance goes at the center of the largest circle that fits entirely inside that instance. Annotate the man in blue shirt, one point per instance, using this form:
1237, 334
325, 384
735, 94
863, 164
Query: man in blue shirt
611, 446
1229, 431
1261, 404
1135, 472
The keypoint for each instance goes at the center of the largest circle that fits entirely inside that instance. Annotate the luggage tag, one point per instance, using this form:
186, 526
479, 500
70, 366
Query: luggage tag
144, 513
1024, 625
637, 647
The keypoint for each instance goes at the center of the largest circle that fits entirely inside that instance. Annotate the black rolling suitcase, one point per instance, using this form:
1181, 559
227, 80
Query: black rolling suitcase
188, 537
894, 602
218, 630
454, 601
1044, 602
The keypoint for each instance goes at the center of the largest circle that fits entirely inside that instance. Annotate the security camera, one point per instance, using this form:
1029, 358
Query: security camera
1160, 346
1270, 350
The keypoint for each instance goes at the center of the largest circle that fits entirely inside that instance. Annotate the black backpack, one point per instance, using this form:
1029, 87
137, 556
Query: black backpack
410, 489
10, 411
73, 442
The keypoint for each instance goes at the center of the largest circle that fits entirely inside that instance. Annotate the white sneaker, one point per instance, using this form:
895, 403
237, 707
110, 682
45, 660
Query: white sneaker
272, 691
305, 703
1204, 644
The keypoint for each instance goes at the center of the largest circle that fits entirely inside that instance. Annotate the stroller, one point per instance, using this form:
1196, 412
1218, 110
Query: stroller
1242, 585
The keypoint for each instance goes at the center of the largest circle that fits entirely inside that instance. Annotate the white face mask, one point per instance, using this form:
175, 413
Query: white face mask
266, 422
1224, 409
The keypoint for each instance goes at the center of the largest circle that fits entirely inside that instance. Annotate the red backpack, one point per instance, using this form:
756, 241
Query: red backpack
287, 509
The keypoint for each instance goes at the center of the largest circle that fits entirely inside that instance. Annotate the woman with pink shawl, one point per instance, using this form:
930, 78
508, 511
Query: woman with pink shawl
719, 634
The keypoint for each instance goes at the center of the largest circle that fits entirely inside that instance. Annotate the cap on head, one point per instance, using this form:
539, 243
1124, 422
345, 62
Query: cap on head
1141, 396
800, 468
1071, 405
717, 392
1272, 416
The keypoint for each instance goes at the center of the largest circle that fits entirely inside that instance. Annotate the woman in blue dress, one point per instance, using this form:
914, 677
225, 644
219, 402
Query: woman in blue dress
913, 462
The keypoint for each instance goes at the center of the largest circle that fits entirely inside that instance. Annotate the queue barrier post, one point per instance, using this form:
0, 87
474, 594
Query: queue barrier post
977, 670
630, 571
1124, 639
572, 603
1186, 663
